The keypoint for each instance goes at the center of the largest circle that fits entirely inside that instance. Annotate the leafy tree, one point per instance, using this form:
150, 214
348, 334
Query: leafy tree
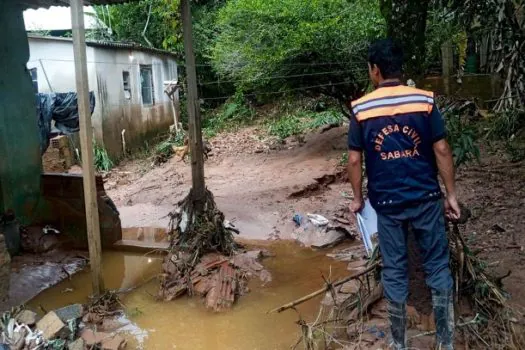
406, 22
265, 46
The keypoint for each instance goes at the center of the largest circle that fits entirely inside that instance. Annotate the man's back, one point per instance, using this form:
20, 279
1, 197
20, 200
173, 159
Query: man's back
396, 126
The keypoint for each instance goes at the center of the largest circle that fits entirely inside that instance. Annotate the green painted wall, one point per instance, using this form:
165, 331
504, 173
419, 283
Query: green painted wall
20, 162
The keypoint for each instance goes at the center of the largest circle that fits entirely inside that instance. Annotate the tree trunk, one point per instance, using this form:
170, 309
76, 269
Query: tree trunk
406, 22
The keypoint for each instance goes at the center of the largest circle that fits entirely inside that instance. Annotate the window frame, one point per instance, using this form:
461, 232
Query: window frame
151, 87
126, 84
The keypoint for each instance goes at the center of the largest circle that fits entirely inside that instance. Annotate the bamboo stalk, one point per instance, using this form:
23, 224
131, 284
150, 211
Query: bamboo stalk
322, 290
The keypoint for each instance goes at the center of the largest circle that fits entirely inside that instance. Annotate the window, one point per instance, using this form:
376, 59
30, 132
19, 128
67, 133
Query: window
34, 78
146, 85
126, 85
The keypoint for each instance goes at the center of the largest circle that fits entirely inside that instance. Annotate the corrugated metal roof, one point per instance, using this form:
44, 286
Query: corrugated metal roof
34, 4
108, 44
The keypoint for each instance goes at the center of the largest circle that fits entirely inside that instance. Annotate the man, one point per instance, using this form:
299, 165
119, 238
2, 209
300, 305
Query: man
402, 135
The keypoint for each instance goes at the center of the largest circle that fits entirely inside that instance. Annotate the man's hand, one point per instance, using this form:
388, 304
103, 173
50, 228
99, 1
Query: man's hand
356, 205
452, 210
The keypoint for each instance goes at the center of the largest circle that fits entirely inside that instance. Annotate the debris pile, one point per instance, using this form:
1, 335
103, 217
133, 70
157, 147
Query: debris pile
353, 313
204, 259
318, 232
65, 328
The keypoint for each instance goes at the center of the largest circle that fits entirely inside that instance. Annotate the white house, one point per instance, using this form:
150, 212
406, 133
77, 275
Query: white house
128, 82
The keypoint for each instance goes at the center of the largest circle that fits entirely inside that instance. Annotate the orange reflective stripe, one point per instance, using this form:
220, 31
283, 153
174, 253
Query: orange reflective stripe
394, 110
375, 104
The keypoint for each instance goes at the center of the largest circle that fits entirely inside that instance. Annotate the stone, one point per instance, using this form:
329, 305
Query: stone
52, 326
350, 287
70, 312
78, 344
106, 341
27, 317
328, 239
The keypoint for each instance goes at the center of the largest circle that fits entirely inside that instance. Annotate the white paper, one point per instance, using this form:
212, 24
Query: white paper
367, 224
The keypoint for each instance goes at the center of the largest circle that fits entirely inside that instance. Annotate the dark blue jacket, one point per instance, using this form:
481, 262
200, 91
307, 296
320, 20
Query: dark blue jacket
396, 127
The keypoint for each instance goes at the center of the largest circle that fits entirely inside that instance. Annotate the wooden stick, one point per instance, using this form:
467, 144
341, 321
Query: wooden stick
86, 145
326, 288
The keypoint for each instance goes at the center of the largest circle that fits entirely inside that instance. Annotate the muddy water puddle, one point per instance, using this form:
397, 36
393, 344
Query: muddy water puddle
186, 324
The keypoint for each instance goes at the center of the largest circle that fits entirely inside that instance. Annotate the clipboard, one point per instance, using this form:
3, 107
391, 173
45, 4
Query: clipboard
367, 225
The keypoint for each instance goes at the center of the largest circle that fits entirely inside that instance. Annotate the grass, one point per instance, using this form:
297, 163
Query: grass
101, 158
294, 124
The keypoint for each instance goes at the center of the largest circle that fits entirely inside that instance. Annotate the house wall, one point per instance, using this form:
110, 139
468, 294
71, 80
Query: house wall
20, 163
140, 122
113, 111
55, 66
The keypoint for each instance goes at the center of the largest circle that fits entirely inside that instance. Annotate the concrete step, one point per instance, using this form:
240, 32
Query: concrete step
140, 246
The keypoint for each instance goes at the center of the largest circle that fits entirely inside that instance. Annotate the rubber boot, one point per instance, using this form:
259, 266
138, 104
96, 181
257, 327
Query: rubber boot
397, 313
444, 316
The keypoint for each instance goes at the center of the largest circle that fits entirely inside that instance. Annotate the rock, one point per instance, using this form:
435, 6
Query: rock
328, 300
356, 265
329, 239
254, 254
78, 344
70, 312
27, 317
498, 228
106, 341
52, 326
350, 287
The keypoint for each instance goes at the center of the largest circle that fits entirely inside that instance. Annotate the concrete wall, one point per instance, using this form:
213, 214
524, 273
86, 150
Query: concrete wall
113, 111
140, 121
20, 162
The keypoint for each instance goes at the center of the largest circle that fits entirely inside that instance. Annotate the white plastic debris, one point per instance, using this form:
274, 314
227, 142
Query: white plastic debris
317, 220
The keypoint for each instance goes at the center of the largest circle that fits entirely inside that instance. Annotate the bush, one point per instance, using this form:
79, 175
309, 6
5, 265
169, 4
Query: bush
461, 137
286, 126
101, 158
234, 112
506, 124
274, 45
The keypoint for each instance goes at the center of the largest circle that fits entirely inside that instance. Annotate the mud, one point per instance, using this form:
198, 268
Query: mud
186, 324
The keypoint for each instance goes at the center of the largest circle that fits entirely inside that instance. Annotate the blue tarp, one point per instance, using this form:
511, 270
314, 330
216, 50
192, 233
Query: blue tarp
63, 109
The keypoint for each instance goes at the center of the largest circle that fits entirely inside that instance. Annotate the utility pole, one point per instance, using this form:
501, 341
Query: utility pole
195, 132
86, 145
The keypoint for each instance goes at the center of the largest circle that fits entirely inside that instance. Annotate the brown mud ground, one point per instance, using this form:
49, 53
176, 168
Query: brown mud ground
252, 186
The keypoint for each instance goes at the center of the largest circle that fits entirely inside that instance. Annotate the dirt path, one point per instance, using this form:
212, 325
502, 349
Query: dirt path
253, 189
250, 188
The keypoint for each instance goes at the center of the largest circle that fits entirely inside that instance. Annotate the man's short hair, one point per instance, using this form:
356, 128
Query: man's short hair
387, 54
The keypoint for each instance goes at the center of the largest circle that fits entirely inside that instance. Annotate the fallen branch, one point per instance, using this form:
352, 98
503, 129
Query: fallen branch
323, 290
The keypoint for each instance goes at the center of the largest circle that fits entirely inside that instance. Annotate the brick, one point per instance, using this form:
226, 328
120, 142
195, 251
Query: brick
52, 326
27, 317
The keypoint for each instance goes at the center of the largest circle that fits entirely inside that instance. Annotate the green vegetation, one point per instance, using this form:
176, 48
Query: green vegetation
232, 114
268, 46
101, 158
461, 137
294, 124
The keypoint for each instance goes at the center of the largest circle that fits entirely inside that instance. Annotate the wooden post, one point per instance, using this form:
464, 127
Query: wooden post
195, 132
86, 145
